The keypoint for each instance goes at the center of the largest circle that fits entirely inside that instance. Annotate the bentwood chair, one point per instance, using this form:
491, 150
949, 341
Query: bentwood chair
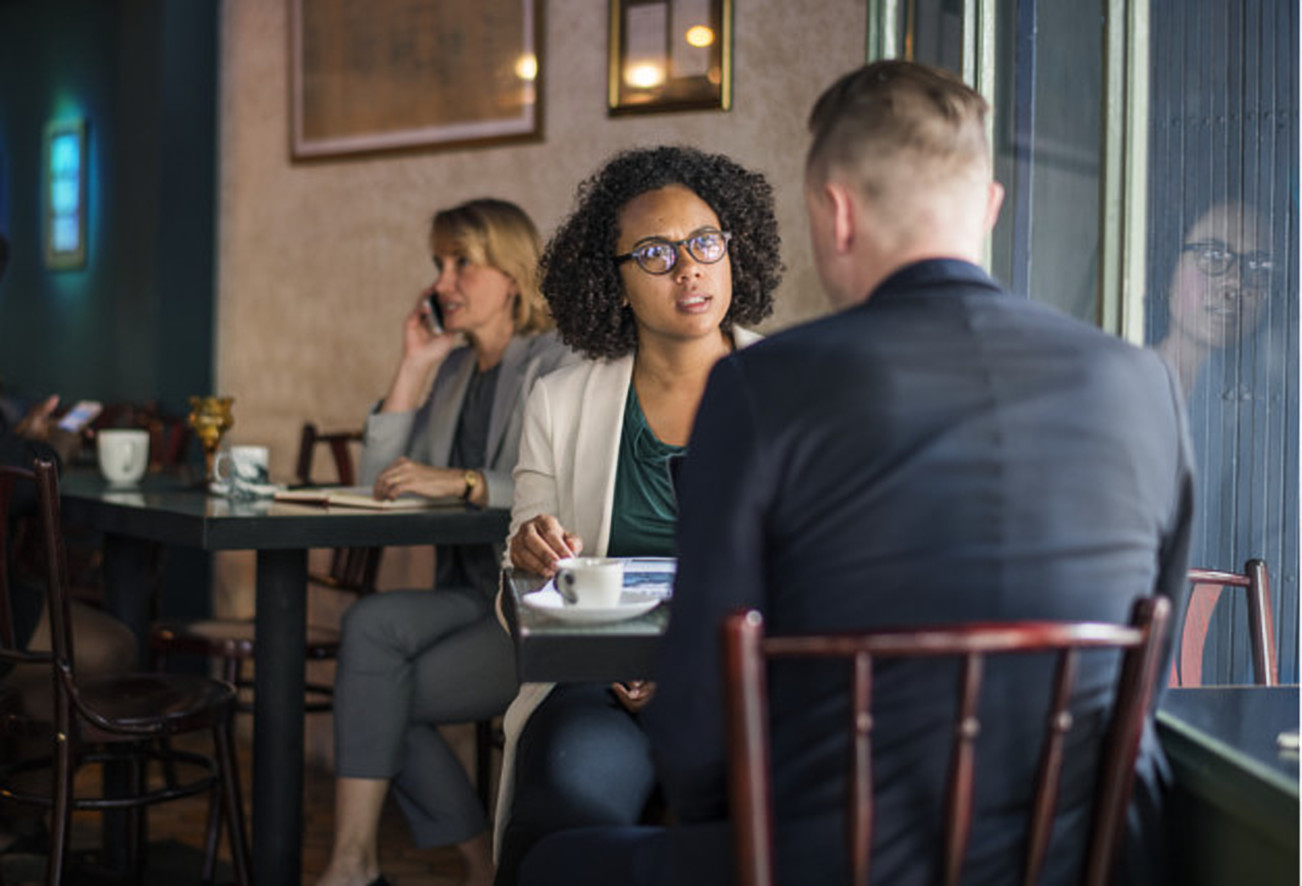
125, 720
747, 653
1207, 587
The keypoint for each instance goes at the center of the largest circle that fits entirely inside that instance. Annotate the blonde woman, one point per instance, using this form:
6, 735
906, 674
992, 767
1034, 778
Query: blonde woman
411, 660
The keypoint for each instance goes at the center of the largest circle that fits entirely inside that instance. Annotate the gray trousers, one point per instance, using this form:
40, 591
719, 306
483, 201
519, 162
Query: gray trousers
409, 661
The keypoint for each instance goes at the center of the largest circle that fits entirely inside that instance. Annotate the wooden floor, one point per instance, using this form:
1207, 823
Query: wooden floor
176, 832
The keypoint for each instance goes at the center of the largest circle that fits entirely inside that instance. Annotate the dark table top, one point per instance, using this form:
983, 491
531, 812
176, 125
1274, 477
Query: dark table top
551, 651
1239, 727
172, 510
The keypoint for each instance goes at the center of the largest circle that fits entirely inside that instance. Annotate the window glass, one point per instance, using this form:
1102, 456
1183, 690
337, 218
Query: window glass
1047, 138
1222, 292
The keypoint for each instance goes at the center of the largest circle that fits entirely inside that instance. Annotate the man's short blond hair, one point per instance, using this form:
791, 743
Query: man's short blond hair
895, 128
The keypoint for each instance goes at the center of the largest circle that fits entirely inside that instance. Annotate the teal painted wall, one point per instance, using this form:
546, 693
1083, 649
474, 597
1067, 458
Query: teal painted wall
136, 323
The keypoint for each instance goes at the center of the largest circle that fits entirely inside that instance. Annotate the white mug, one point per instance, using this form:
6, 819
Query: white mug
590, 582
123, 455
243, 472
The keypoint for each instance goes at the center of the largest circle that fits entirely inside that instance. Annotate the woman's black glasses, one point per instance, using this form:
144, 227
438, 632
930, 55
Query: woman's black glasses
1215, 259
657, 255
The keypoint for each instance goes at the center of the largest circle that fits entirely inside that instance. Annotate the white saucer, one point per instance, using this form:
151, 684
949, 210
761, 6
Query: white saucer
550, 603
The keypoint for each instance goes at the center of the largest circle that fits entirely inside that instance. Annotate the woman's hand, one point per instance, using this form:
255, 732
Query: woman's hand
539, 543
422, 351
634, 694
405, 475
419, 341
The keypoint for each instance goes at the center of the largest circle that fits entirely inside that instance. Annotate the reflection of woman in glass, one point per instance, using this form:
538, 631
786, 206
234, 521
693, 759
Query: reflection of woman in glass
1218, 290
1225, 331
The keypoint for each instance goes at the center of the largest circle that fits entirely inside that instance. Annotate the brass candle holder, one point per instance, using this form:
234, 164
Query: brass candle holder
210, 417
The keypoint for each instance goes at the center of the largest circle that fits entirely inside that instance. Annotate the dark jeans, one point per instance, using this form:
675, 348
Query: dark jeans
581, 760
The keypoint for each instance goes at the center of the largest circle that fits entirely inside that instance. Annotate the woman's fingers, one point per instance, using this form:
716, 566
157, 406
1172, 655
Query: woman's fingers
393, 479
540, 542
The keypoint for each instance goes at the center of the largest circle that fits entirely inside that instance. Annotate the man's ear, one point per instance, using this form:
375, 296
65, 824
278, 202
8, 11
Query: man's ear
994, 200
843, 207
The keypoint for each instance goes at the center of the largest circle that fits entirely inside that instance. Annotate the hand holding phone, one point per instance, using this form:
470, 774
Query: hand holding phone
80, 415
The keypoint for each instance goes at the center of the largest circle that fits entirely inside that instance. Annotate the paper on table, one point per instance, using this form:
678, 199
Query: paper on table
651, 576
362, 497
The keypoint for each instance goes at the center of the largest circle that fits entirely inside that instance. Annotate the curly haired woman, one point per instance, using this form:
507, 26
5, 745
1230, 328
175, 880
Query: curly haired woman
637, 282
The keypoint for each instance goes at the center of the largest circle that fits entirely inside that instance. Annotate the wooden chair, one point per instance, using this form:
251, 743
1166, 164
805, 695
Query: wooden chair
125, 720
1206, 589
351, 569
747, 652
169, 438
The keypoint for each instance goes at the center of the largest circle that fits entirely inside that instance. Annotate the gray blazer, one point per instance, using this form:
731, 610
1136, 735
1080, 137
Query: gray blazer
425, 435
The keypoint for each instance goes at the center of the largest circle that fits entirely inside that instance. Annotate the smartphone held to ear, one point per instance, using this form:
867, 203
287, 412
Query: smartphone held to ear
435, 315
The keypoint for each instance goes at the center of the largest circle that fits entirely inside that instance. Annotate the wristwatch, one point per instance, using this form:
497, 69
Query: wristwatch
472, 483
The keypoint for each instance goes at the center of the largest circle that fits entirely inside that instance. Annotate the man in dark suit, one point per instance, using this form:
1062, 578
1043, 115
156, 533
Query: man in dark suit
937, 451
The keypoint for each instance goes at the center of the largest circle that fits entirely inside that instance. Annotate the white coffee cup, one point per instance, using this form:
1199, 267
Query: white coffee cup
243, 472
123, 455
590, 582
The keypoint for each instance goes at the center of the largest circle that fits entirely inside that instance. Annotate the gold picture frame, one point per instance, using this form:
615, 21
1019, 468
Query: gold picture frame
670, 55
383, 75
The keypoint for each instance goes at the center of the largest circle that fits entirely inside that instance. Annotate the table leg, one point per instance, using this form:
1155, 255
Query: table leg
278, 716
127, 569
128, 593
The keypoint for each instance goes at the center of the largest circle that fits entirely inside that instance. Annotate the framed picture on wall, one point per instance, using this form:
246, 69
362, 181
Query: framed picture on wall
670, 55
379, 75
64, 194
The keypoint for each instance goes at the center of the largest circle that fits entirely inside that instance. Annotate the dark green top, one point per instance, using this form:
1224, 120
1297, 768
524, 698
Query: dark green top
645, 510
458, 564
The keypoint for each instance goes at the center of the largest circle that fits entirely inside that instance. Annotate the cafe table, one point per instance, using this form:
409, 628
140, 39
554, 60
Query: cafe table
551, 650
170, 510
1234, 806
1234, 803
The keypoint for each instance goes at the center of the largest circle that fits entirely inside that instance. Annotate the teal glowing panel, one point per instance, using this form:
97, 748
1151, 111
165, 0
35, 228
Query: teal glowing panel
65, 194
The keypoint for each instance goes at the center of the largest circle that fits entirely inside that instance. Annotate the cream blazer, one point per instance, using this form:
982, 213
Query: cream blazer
569, 453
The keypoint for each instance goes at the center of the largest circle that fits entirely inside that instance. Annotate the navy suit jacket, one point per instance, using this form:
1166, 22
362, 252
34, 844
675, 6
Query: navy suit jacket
943, 452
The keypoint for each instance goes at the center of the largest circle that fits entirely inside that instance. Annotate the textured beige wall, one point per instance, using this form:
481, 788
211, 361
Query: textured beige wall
319, 262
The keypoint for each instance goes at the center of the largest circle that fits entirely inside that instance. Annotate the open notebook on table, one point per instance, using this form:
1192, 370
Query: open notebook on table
362, 497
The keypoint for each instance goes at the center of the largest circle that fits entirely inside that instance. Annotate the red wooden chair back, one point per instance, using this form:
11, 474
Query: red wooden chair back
747, 652
1207, 587
351, 569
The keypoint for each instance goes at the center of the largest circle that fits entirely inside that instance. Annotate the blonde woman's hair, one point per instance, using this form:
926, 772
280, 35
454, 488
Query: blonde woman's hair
499, 234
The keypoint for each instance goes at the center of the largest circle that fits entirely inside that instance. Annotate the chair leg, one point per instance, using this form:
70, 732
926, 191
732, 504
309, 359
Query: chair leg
234, 806
137, 824
484, 762
61, 818
213, 832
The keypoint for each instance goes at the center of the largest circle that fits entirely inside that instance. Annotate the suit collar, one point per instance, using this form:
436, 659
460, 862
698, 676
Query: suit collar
932, 274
